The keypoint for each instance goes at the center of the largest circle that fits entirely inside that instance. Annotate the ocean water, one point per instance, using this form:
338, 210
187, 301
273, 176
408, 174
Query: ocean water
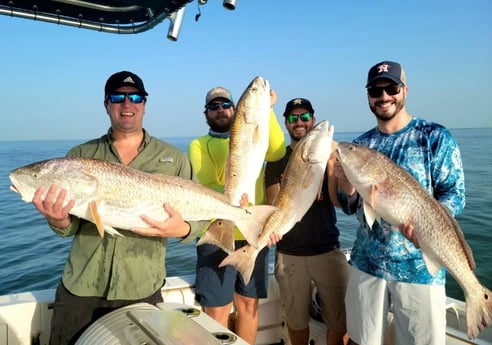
32, 257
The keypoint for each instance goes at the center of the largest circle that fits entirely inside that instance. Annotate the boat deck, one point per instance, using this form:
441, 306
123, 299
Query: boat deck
25, 318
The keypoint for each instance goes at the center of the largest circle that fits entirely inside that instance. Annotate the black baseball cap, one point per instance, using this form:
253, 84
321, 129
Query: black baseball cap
124, 78
298, 103
387, 70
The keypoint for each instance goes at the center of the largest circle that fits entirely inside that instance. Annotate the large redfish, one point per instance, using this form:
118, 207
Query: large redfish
113, 195
301, 184
248, 144
391, 193
249, 140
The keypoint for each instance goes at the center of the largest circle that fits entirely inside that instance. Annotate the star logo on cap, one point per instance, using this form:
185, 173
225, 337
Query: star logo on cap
129, 80
384, 68
297, 101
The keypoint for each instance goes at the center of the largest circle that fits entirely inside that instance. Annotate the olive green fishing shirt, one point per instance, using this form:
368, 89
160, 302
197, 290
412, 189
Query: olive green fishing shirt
129, 267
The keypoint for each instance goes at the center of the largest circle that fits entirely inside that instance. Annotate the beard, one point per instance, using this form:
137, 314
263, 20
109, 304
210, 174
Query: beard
220, 125
387, 116
296, 135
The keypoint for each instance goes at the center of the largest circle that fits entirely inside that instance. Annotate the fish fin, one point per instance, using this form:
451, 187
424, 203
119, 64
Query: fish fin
243, 260
432, 264
220, 233
478, 311
112, 231
309, 178
320, 188
370, 214
101, 228
252, 222
256, 135
372, 196
97, 218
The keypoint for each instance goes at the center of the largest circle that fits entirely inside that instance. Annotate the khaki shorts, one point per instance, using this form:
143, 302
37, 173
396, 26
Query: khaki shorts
419, 311
295, 276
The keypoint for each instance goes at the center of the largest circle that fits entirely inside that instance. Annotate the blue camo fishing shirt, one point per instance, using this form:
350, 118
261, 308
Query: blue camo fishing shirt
431, 155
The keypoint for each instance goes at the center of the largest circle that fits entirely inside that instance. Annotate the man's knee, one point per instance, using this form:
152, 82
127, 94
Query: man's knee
246, 305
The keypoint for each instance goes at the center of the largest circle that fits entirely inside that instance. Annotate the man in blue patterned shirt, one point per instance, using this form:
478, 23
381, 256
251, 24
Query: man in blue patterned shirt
388, 270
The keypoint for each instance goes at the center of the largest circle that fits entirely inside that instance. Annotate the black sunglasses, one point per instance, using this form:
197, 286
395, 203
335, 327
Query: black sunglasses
391, 90
216, 105
119, 97
305, 117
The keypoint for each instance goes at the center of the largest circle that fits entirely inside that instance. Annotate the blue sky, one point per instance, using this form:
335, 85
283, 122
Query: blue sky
53, 76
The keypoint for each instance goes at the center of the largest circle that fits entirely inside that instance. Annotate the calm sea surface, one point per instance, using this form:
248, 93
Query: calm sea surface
32, 257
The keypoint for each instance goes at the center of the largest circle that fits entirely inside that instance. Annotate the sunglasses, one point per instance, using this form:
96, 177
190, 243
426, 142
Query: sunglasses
119, 97
391, 90
305, 117
215, 106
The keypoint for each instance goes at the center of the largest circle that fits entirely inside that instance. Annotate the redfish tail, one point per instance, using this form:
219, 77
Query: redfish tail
243, 260
252, 222
220, 233
478, 312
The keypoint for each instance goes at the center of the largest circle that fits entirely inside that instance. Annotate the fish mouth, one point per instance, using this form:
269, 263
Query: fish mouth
337, 153
13, 182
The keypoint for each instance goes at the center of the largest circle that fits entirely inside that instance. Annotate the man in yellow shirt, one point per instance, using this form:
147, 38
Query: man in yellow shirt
218, 288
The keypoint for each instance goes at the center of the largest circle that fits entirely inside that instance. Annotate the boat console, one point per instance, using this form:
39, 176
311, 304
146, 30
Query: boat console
164, 324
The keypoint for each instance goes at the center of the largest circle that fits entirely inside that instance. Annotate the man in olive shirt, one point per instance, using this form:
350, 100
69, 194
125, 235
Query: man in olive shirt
103, 274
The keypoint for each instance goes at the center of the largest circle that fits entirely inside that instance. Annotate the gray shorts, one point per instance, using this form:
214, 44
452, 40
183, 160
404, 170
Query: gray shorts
419, 311
295, 276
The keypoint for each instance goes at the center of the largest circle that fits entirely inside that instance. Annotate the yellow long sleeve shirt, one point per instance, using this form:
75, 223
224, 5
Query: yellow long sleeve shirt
208, 156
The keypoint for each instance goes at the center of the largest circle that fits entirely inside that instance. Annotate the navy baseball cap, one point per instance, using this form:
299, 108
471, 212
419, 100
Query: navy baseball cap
124, 78
298, 103
387, 70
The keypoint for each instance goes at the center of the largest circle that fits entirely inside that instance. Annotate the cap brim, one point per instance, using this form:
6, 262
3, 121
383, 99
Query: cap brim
393, 79
298, 106
219, 97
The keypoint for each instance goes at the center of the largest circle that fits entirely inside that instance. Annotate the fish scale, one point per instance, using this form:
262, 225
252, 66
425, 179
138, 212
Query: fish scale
119, 195
248, 141
391, 193
248, 144
301, 183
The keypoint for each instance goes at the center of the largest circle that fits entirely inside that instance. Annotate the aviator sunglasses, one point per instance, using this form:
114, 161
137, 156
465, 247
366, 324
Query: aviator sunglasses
215, 105
119, 97
391, 90
305, 117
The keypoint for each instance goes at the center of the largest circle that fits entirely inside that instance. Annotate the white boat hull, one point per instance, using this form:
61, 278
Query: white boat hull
25, 318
